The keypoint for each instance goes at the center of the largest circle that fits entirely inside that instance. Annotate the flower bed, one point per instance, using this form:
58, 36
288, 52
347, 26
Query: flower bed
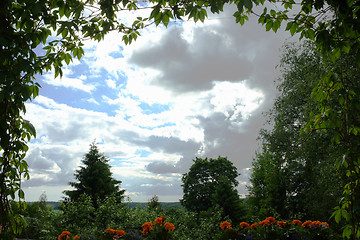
270, 229
159, 230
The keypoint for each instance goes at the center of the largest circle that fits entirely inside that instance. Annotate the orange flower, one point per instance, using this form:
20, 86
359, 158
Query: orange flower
307, 224
296, 222
120, 232
64, 235
254, 225
316, 223
271, 220
148, 226
225, 225
281, 224
76, 237
169, 226
160, 220
265, 222
325, 224
111, 231
244, 225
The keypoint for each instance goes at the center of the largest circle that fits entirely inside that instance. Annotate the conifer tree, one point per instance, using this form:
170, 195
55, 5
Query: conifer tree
95, 179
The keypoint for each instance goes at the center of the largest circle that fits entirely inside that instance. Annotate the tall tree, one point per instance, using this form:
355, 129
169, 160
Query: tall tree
205, 182
95, 179
296, 174
227, 197
26, 25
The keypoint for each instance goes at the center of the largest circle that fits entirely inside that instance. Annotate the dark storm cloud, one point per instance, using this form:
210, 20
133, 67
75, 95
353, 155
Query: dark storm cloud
218, 52
159, 167
222, 138
187, 67
187, 149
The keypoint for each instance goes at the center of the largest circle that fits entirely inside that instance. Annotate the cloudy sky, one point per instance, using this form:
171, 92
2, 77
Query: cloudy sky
186, 91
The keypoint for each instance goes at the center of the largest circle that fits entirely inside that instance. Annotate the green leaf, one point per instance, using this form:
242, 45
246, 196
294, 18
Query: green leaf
248, 4
347, 232
240, 6
21, 194
269, 25
68, 58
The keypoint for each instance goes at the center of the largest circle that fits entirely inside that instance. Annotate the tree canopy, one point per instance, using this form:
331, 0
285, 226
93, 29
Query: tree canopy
296, 174
59, 27
95, 179
212, 182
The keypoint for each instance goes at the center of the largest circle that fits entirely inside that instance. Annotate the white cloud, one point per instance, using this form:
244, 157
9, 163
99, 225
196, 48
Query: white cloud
68, 82
111, 83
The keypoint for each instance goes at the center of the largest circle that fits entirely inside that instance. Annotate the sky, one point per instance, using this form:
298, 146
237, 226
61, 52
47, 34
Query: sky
189, 90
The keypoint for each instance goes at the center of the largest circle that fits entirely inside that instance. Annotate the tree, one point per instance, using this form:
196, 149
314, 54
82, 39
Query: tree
227, 197
154, 203
202, 185
268, 190
95, 179
26, 26
296, 173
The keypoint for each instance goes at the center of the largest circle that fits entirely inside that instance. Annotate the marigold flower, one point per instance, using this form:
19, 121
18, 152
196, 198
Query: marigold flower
254, 225
316, 223
64, 235
282, 223
265, 222
271, 220
169, 226
76, 237
307, 224
325, 224
160, 220
225, 225
111, 231
244, 225
296, 222
148, 226
120, 232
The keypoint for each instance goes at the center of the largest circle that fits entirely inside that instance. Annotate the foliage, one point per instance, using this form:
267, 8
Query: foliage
227, 198
295, 174
79, 216
41, 219
95, 179
28, 25
270, 229
206, 176
154, 203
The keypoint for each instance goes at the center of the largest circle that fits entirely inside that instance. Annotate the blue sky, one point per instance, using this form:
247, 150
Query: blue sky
186, 91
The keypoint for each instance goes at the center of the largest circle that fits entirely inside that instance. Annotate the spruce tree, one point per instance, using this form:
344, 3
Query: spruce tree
95, 179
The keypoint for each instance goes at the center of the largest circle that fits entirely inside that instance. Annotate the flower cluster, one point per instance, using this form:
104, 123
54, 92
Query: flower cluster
65, 235
159, 230
225, 225
113, 234
272, 229
147, 227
